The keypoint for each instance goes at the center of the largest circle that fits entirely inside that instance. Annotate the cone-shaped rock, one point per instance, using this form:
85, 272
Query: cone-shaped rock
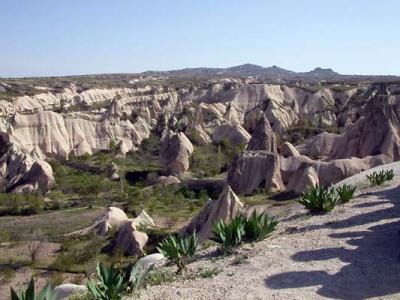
129, 240
225, 208
196, 130
174, 153
253, 170
263, 137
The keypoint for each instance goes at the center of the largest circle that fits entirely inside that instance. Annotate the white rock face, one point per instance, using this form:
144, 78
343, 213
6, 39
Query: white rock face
130, 240
174, 153
288, 150
225, 208
19, 171
303, 179
253, 170
236, 134
196, 130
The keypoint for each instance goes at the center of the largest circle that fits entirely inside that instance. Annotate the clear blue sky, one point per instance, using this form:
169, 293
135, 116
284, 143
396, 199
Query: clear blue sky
59, 37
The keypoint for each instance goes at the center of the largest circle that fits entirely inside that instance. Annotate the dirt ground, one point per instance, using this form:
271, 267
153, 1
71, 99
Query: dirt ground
350, 253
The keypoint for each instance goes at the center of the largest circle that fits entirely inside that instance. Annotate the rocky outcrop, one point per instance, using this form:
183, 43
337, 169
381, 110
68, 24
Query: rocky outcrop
319, 145
21, 172
225, 208
167, 180
376, 132
129, 240
263, 138
196, 131
304, 178
288, 150
112, 219
113, 172
235, 134
253, 170
329, 172
174, 153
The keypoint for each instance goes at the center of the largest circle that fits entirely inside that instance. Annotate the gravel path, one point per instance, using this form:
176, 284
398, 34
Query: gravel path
351, 253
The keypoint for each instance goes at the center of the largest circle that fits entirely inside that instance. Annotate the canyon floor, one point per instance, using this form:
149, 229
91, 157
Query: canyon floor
350, 253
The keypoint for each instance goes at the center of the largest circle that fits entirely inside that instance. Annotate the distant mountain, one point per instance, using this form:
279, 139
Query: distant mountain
320, 72
246, 70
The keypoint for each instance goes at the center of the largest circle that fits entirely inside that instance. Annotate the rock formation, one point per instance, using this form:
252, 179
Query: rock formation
21, 172
304, 178
196, 131
174, 153
235, 134
263, 138
129, 240
376, 131
112, 219
319, 145
288, 150
225, 208
253, 170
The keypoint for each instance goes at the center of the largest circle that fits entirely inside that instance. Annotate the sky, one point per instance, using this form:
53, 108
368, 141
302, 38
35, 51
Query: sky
69, 37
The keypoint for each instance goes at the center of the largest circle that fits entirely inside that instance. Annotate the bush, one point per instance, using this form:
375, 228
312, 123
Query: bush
319, 199
114, 282
29, 294
259, 226
20, 204
230, 235
378, 178
345, 193
178, 250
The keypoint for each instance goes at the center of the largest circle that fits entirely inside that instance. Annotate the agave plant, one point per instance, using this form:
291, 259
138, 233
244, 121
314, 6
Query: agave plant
29, 294
378, 178
319, 199
230, 235
345, 193
178, 250
115, 281
259, 226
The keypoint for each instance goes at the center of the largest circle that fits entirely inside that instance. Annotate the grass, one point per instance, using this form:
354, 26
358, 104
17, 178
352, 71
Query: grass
379, 178
209, 272
319, 199
159, 277
52, 225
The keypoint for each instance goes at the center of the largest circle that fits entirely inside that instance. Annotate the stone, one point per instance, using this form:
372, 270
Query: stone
66, 290
288, 150
174, 153
263, 138
235, 134
253, 170
225, 208
303, 179
129, 240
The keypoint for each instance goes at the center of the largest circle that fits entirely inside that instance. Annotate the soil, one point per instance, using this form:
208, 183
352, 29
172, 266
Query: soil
350, 253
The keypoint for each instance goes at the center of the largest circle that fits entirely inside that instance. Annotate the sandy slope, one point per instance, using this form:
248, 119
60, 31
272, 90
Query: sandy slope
351, 253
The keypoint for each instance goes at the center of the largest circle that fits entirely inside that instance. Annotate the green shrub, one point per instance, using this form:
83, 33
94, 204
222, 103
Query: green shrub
345, 193
29, 294
178, 250
319, 199
378, 178
259, 226
114, 282
209, 273
230, 235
